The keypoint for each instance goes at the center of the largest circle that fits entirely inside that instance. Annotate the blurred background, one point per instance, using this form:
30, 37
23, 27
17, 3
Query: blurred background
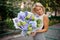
10, 8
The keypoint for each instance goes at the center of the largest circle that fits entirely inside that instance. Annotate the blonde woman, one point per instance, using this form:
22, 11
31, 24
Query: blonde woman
39, 10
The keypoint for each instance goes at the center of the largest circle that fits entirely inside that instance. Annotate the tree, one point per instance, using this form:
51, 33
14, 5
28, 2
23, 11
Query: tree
7, 9
54, 4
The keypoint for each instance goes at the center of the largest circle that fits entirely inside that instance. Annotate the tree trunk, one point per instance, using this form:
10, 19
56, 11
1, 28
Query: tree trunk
56, 12
0, 18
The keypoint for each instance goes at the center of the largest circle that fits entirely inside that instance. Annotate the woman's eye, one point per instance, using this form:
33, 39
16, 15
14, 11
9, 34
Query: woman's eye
39, 9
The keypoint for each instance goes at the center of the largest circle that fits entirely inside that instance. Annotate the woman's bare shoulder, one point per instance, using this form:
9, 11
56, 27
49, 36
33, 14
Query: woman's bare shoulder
45, 17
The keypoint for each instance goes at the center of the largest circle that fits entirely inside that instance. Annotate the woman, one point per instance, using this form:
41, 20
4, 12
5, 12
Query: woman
39, 10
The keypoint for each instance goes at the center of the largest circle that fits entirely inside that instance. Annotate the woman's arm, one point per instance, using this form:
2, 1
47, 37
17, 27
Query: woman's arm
46, 23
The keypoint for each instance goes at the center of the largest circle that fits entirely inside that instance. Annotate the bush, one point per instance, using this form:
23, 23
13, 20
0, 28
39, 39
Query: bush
54, 20
2, 27
54, 17
9, 23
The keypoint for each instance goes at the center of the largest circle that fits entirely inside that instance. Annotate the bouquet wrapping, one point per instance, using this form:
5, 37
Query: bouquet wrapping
27, 22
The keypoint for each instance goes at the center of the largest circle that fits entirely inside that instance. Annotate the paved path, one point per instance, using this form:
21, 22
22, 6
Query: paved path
53, 33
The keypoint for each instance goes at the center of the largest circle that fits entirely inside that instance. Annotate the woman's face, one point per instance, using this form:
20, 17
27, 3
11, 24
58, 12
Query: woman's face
39, 10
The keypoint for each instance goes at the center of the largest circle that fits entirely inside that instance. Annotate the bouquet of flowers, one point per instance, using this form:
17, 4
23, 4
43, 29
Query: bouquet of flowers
27, 22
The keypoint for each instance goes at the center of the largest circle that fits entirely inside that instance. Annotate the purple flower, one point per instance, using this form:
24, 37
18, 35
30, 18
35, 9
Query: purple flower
33, 23
25, 27
26, 13
21, 15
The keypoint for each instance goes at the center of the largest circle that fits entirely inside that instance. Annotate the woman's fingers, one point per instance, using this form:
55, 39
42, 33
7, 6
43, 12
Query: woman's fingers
33, 33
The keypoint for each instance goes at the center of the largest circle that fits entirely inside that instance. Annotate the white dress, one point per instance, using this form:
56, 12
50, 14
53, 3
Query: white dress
40, 36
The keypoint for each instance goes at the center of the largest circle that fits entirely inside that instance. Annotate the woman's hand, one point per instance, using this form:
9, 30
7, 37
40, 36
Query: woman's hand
33, 33
38, 30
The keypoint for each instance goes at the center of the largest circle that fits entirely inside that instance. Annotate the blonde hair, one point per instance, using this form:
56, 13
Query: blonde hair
37, 5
